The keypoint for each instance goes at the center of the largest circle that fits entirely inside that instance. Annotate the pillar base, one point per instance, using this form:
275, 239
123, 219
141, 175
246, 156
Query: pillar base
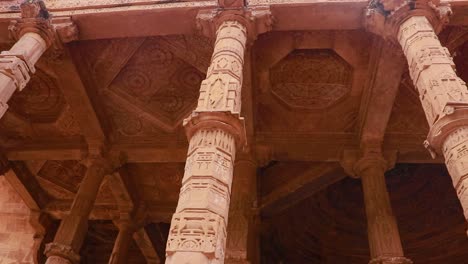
390, 260
57, 260
60, 254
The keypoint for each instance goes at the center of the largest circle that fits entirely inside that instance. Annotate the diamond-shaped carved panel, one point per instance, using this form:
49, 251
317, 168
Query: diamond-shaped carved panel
311, 79
158, 83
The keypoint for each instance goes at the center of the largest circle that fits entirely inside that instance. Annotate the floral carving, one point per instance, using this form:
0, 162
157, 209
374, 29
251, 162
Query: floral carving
41, 100
311, 79
159, 83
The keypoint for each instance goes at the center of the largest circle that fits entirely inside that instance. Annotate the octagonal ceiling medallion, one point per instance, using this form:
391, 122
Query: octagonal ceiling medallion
311, 79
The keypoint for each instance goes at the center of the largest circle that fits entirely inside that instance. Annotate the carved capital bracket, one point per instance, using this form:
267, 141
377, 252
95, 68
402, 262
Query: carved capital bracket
36, 19
257, 20
384, 17
64, 251
354, 162
227, 121
101, 156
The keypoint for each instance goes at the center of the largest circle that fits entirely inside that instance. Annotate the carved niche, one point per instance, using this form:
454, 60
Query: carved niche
311, 79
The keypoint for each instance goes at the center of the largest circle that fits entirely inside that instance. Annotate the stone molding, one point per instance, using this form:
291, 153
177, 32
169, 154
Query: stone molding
64, 251
390, 260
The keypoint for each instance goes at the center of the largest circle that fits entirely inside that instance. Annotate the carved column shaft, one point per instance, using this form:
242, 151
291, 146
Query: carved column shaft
122, 243
72, 230
198, 228
17, 64
241, 235
382, 229
444, 97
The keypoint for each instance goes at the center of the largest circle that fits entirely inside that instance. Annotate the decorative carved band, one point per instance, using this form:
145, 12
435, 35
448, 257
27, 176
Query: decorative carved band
390, 260
55, 250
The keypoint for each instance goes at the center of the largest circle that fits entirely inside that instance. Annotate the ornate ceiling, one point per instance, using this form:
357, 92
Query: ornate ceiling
303, 97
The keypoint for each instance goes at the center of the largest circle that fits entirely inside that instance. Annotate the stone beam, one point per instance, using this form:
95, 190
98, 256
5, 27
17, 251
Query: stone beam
117, 21
124, 191
26, 185
314, 179
330, 147
58, 209
282, 147
62, 149
78, 98
143, 241
385, 70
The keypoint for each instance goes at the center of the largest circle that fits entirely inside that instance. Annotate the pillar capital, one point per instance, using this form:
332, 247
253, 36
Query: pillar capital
63, 251
256, 20
356, 162
34, 19
370, 162
230, 123
384, 17
104, 159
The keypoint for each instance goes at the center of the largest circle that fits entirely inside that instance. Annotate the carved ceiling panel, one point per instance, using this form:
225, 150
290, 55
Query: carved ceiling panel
158, 182
331, 226
40, 101
161, 81
311, 79
407, 114
61, 177
40, 110
461, 58
309, 82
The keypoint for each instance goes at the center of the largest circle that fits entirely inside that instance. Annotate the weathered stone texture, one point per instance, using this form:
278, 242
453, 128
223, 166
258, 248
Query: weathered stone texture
16, 234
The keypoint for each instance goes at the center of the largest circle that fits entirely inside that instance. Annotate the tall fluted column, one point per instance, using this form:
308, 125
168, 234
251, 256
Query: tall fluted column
444, 97
34, 35
384, 238
72, 230
215, 129
122, 243
241, 235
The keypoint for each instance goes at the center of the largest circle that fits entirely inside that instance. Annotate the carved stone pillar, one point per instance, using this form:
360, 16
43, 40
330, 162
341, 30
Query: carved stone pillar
241, 235
72, 230
444, 97
34, 35
384, 238
215, 130
122, 243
